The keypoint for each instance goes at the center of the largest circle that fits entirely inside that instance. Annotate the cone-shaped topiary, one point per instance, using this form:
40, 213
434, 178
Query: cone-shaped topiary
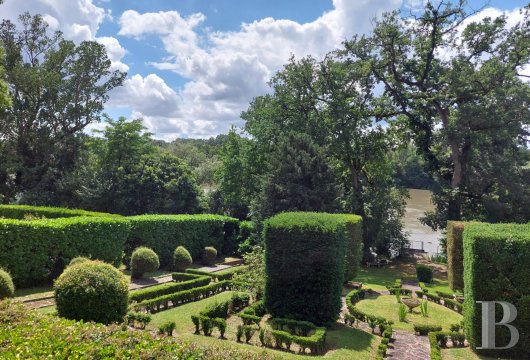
143, 260
92, 291
182, 258
78, 260
7, 289
209, 254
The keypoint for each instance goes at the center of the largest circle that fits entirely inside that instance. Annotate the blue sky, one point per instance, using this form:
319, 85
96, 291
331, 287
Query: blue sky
194, 65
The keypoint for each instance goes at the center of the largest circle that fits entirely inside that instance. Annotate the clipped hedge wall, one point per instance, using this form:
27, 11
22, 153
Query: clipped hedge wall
354, 248
305, 257
168, 288
163, 233
37, 251
497, 268
20, 211
455, 254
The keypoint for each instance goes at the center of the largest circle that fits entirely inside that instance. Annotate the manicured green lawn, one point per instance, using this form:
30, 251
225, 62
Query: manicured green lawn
462, 354
440, 285
34, 292
344, 342
387, 307
47, 310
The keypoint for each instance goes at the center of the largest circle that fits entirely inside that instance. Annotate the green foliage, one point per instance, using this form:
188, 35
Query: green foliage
423, 330
424, 273
455, 255
29, 334
305, 256
138, 319
182, 297
239, 332
181, 259
143, 260
424, 308
209, 255
163, 233
21, 211
167, 328
496, 263
7, 289
402, 312
248, 331
252, 278
42, 131
300, 179
253, 313
315, 342
295, 327
47, 246
217, 310
169, 288
92, 291
78, 260
227, 274
246, 237
239, 300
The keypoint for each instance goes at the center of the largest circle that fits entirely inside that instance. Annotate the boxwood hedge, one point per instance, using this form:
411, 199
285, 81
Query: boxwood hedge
496, 268
163, 233
455, 254
20, 212
36, 251
305, 257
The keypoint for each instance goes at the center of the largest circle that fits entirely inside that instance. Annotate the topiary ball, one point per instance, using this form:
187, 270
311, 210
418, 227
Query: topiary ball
182, 259
7, 289
92, 291
143, 260
424, 273
209, 254
78, 260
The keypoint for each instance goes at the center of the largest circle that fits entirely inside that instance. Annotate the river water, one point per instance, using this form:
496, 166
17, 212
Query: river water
420, 236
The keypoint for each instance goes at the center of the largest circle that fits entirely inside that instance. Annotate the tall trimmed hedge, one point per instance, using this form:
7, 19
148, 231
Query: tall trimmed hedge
20, 211
497, 268
36, 251
354, 248
305, 257
455, 254
163, 233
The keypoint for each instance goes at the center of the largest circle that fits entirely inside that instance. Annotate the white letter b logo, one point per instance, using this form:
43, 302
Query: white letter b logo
488, 324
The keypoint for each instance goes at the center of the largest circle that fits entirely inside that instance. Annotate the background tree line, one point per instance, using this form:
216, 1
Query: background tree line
424, 101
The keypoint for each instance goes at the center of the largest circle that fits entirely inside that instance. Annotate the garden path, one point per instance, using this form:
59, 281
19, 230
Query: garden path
409, 346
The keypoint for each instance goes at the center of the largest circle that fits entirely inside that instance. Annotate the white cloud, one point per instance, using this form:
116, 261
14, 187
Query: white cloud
227, 69
115, 52
78, 19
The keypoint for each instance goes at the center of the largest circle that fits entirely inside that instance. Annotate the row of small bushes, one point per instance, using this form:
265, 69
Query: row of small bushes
21, 212
423, 330
137, 319
253, 313
448, 302
226, 274
316, 343
384, 325
182, 297
168, 288
295, 327
439, 340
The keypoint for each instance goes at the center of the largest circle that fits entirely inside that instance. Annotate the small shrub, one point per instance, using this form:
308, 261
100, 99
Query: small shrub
239, 301
78, 260
143, 260
92, 291
7, 288
454, 327
167, 328
398, 296
424, 308
197, 322
207, 325
239, 333
209, 254
135, 318
424, 273
181, 259
249, 331
221, 325
372, 323
216, 310
402, 312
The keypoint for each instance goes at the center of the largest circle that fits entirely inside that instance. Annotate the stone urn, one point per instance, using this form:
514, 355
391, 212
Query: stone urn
411, 302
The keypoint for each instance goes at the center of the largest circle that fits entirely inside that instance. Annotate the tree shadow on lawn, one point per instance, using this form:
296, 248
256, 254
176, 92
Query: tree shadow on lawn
341, 336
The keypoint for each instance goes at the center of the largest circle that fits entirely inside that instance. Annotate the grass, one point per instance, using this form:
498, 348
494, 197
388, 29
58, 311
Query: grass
343, 342
440, 285
34, 292
387, 307
462, 354
47, 310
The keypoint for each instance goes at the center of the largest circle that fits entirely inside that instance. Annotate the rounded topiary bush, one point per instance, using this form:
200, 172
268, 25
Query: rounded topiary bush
92, 291
424, 273
78, 260
209, 254
143, 260
7, 289
182, 258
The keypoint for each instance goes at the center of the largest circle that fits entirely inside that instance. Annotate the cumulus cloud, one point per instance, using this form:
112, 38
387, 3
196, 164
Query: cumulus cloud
228, 68
115, 52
